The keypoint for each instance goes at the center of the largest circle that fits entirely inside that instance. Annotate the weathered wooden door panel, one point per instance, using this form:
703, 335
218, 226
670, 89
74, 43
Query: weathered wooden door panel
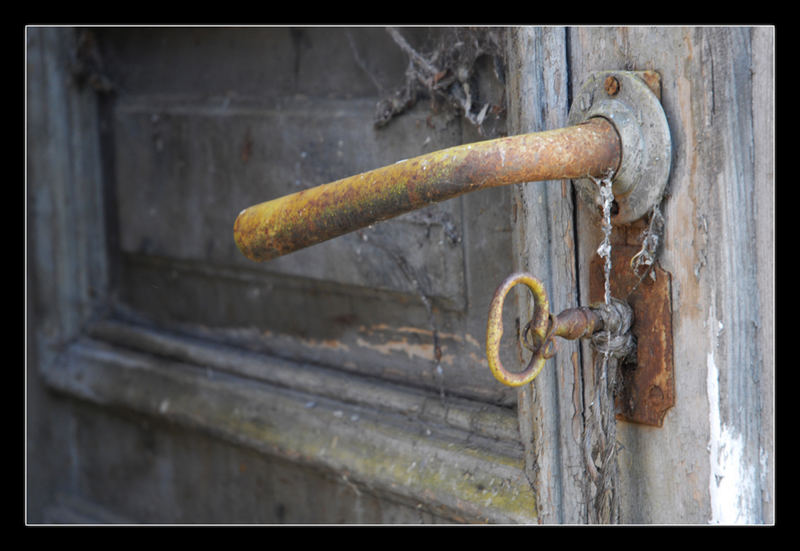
401, 300
544, 245
712, 459
177, 381
358, 362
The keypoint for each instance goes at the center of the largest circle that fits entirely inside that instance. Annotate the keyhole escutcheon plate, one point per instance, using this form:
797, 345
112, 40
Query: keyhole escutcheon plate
648, 383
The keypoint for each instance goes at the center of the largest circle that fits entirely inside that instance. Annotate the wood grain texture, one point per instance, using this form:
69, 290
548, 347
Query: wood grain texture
393, 330
710, 461
542, 212
66, 265
404, 300
444, 470
65, 217
763, 98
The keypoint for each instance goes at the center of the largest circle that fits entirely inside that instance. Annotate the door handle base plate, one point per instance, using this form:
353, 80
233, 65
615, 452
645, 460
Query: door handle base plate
631, 101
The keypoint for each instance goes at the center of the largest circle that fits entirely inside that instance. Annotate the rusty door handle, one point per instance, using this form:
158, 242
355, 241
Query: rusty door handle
618, 130
286, 224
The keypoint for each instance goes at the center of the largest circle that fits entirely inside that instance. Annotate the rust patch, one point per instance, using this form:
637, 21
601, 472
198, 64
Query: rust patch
611, 85
648, 388
577, 323
247, 146
653, 81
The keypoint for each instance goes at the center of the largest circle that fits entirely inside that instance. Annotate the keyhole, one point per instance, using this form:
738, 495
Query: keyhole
614, 209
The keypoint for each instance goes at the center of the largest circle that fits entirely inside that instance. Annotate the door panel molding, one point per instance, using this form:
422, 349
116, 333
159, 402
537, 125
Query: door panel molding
458, 457
431, 459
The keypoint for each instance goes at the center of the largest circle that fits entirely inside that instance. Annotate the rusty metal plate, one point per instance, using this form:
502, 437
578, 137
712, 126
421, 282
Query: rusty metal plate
648, 388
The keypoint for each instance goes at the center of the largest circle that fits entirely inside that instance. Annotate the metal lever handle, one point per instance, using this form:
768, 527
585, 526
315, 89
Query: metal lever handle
281, 226
573, 323
619, 131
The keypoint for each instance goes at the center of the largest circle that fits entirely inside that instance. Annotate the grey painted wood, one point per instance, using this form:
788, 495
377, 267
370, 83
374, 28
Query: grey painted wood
404, 300
204, 355
712, 460
155, 465
763, 106
67, 260
450, 472
549, 408
362, 383
481, 419
66, 264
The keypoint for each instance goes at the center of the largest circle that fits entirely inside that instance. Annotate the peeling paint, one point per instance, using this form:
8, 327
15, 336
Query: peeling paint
732, 488
423, 351
413, 350
383, 327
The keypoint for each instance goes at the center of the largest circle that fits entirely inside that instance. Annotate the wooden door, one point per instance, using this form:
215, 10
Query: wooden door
171, 380
713, 459
343, 383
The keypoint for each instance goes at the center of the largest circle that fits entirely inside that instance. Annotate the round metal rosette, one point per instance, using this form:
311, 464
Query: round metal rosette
624, 99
